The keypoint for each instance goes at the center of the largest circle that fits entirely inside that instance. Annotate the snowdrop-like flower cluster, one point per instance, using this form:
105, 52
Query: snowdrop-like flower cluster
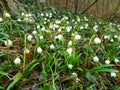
107, 37
27, 17
95, 28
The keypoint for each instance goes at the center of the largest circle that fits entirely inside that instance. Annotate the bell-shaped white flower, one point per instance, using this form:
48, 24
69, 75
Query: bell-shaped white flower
77, 79
70, 43
77, 37
107, 61
106, 37
60, 37
29, 37
95, 59
116, 60
74, 74
97, 40
70, 66
1, 19
41, 37
34, 32
27, 50
113, 74
38, 26
17, 61
69, 51
39, 50
52, 46
115, 36
7, 15
111, 40
8, 42
19, 20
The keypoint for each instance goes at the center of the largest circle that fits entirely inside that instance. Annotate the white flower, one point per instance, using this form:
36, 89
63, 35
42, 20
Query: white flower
59, 30
86, 25
65, 18
27, 50
7, 15
95, 59
107, 62
68, 28
55, 26
115, 36
1, 19
19, 20
42, 14
78, 19
29, 37
8, 42
77, 37
47, 14
41, 37
60, 37
106, 37
57, 21
68, 22
95, 28
81, 27
74, 74
50, 15
38, 26
52, 46
113, 74
111, 40
69, 51
70, 43
116, 60
43, 29
77, 79
39, 50
17, 61
70, 66
23, 14
97, 41
29, 14
73, 20
34, 32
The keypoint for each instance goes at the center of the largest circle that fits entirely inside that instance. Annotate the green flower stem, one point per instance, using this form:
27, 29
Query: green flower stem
24, 59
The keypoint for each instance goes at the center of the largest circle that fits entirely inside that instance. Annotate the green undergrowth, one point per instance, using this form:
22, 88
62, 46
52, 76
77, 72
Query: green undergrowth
52, 49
